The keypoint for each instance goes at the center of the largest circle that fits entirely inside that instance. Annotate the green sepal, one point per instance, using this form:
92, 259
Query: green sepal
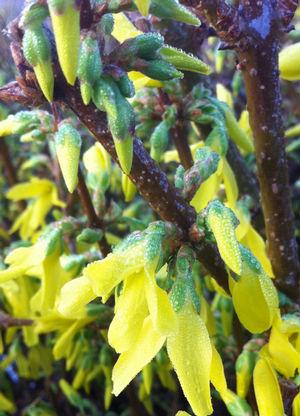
90, 63
53, 237
148, 45
159, 140
172, 9
184, 61
126, 86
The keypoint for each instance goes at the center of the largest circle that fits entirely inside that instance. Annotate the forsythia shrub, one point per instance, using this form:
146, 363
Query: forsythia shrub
99, 295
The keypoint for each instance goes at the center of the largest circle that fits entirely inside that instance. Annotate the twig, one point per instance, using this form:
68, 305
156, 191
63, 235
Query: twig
7, 321
93, 219
254, 30
179, 136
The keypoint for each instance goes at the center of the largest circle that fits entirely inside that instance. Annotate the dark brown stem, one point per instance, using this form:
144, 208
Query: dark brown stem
9, 168
179, 136
260, 69
88, 207
7, 321
246, 180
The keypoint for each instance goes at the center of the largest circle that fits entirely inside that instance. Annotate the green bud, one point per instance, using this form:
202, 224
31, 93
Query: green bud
172, 9
53, 237
126, 86
89, 67
33, 15
106, 24
106, 356
128, 187
65, 17
120, 116
244, 367
183, 61
148, 45
36, 50
89, 236
159, 140
160, 70
222, 222
67, 146
218, 139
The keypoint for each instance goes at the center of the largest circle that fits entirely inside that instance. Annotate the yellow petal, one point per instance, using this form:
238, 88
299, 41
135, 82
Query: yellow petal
130, 313
267, 390
256, 244
284, 356
206, 192
74, 296
296, 405
123, 28
255, 302
231, 188
217, 374
65, 339
140, 80
289, 62
143, 6
34, 188
6, 405
190, 352
182, 413
161, 311
131, 362
223, 94
96, 159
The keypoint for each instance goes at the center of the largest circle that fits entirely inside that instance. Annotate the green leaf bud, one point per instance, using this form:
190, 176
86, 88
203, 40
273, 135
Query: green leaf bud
172, 9
89, 236
184, 61
159, 140
160, 70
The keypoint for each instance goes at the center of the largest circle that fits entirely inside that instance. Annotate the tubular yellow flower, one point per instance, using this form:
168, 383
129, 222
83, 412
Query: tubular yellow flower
267, 390
131, 362
254, 296
189, 349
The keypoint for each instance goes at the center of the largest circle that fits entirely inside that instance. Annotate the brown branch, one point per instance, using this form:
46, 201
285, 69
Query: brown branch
88, 207
151, 182
179, 136
7, 321
261, 74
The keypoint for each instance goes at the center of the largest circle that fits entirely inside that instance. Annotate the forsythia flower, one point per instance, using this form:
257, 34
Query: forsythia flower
42, 195
144, 318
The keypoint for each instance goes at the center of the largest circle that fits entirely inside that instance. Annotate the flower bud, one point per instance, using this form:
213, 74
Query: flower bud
289, 62
89, 236
159, 140
65, 16
128, 187
244, 367
89, 67
67, 145
160, 70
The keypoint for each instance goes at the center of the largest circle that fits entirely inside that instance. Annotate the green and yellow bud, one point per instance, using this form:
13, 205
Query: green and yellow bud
172, 9
143, 6
236, 405
289, 62
89, 67
236, 133
128, 187
244, 367
65, 17
293, 132
36, 50
184, 61
67, 145
222, 222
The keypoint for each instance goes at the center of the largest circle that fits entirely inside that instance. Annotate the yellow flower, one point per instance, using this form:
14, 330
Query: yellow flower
254, 296
289, 62
267, 390
42, 195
